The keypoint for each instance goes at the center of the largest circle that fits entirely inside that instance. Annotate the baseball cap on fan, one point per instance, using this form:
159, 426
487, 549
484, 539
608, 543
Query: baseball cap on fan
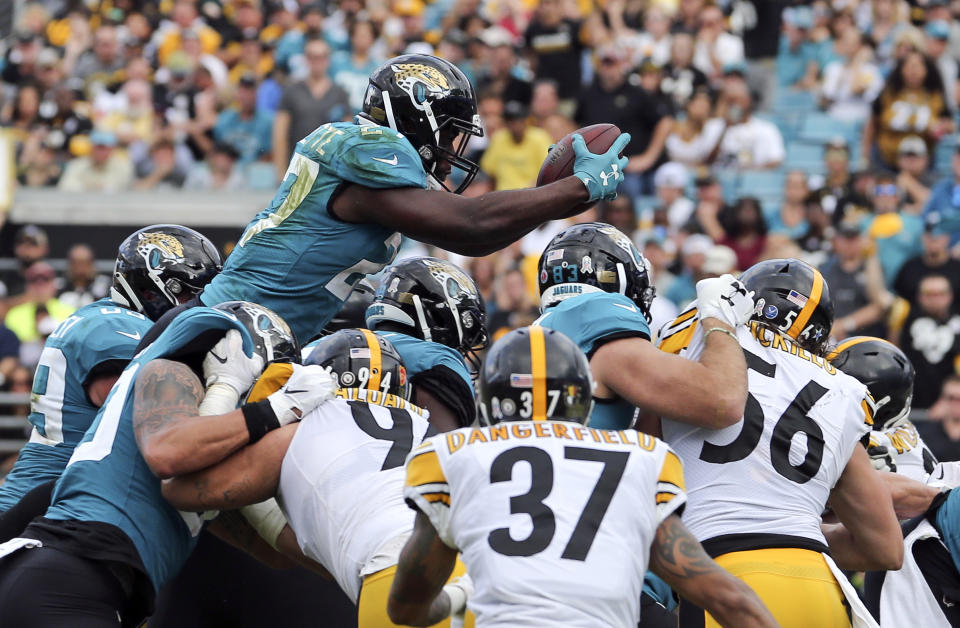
912, 145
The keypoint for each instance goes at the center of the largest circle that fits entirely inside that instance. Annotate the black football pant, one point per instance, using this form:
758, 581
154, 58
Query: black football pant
46, 588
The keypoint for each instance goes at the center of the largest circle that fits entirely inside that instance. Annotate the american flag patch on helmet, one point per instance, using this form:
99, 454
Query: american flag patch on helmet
796, 297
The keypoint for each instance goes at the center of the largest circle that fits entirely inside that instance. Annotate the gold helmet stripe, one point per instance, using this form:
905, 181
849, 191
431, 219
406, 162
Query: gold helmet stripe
538, 366
376, 360
813, 301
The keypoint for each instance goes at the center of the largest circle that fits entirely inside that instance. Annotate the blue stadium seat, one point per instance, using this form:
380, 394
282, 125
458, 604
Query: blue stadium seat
792, 100
805, 156
943, 155
763, 184
820, 128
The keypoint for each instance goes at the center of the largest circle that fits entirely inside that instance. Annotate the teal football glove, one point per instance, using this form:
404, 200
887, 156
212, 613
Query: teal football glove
601, 174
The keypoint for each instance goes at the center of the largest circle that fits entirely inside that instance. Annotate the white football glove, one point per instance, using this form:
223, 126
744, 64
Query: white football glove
881, 458
227, 364
459, 590
307, 388
725, 298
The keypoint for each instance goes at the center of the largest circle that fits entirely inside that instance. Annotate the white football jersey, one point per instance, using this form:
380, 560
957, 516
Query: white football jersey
909, 452
770, 473
341, 483
553, 520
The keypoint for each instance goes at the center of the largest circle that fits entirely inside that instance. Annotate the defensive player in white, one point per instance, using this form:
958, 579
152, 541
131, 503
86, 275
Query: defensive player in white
337, 474
895, 445
556, 522
757, 489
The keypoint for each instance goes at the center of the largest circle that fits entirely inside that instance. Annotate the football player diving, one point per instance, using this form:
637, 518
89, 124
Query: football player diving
352, 189
556, 522
109, 540
757, 488
338, 475
157, 267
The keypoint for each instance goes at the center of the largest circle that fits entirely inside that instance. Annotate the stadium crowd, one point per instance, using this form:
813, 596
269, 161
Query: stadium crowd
819, 130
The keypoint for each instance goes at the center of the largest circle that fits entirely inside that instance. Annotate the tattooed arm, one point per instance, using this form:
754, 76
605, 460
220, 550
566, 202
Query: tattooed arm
171, 435
426, 562
677, 557
249, 476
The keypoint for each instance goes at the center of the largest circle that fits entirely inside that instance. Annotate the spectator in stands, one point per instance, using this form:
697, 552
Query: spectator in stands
84, 284
30, 245
913, 173
545, 109
652, 41
38, 165
243, 126
852, 82
20, 61
887, 20
161, 170
620, 213
749, 142
98, 65
837, 183
942, 432
218, 172
681, 78
791, 219
515, 153
646, 116
253, 58
36, 318
103, 170
796, 64
22, 115
670, 182
945, 201
502, 75
10, 357
695, 139
815, 241
515, 306
306, 105
21, 381
710, 206
855, 282
183, 17
351, 69
715, 48
930, 337
911, 103
693, 253
553, 44
687, 19
745, 231
129, 115
934, 260
897, 234
937, 41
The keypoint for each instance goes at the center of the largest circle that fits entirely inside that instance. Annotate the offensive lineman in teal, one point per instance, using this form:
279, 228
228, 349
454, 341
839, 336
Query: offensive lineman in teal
351, 189
432, 313
157, 267
108, 510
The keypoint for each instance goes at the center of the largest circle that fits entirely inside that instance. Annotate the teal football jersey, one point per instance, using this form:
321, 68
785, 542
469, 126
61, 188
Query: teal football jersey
107, 479
298, 259
588, 319
61, 413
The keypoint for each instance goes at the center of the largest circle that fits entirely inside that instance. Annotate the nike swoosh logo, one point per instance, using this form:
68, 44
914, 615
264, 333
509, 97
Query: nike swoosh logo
135, 336
295, 392
216, 357
628, 308
390, 162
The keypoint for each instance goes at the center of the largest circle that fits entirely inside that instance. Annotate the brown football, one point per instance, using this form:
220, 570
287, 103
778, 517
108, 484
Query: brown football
559, 162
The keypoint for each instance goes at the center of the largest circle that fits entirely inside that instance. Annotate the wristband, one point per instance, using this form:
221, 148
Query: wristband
219, 399
721, 330
260, 419
458, 598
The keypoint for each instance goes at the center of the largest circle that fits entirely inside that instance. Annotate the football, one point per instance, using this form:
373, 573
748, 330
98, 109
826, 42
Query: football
559, 162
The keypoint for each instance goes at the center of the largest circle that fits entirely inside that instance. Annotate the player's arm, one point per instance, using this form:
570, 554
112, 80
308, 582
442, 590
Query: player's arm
678, 558
442, 416
447, 396
249, 476
910, 498
172, 436
416, 596
99, 388
230, 526
481, 225
869, 536
710, 392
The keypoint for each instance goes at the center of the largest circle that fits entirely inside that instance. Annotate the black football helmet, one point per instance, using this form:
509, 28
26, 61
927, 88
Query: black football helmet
161, 266
594, 257
431, 103
360, 358
353, 312
793, 299
272, 338
438, 302
535, 374
886, 372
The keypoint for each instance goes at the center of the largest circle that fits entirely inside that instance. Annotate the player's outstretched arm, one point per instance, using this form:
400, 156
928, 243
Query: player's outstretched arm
417, 597
869, 535
172, 436
249, 476
678, 558
481, 225
910, 498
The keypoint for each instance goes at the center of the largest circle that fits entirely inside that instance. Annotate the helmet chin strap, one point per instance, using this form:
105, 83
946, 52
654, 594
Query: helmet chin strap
388, 108
129, 299
621, 278
421, 318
